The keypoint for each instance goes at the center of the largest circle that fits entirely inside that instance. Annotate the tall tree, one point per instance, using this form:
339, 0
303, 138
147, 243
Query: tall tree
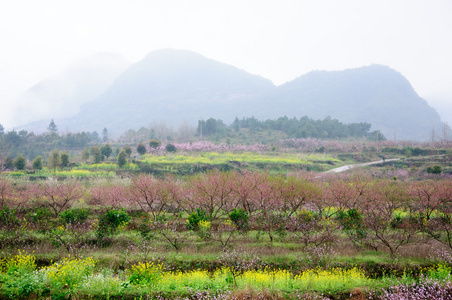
97, 154
20, 162
7, 163
52, 127
106, 151
170, 148
105, 135
37, 163
85, 154
154, 143
64, 159
128, 150
141, 148
12, 138
54, 160
122, 161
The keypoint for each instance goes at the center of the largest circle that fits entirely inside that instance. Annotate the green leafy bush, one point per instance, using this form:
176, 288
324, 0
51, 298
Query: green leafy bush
141, 149
122, 158
170, 148
20, 162
37, 163
75, 215
154, 143
434, 169
240, 218
352, 223
110, 221
8, 216
41, 218
195, 217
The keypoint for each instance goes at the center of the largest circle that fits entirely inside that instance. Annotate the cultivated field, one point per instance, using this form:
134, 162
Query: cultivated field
235, 224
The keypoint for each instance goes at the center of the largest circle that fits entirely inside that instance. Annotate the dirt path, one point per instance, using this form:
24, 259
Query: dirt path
345, 168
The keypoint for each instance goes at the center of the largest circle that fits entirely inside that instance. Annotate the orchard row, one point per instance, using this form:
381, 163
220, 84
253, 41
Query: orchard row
372, 212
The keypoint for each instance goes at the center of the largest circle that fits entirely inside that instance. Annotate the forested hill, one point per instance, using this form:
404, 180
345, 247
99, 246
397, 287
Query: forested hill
292, 128
177, 85
375, 94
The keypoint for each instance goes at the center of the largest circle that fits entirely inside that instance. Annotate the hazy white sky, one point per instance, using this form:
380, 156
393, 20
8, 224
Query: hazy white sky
279, 39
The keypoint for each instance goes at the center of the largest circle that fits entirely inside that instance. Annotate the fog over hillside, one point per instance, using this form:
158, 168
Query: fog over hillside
278, 41
62, 95
176, 86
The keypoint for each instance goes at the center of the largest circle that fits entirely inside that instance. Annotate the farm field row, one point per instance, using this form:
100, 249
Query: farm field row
358, 230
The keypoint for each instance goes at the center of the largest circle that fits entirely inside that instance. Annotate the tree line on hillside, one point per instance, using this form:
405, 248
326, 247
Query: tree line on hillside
304, 127
27, 151
56, 159
31, 145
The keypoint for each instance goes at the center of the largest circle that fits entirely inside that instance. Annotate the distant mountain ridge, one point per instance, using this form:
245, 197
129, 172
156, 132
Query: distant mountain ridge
179, 85
375, 94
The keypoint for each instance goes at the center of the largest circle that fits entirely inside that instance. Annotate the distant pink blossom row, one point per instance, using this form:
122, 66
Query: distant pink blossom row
205, 146
302, 145
313, 145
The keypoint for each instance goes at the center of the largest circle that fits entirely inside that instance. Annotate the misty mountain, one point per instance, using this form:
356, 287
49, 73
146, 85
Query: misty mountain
61, 95
375, 94
178, 85
172, 86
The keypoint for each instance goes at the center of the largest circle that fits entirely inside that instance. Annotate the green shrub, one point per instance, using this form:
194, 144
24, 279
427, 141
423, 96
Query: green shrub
20, 162
240, 218
122, 160
75, 215
42, 218
64, 157
306, 216
204, 228
154, 143
170, 148
434, 169
195, 217
141, 148
8, 163
37, 163
110, 221
8, 216
352, 223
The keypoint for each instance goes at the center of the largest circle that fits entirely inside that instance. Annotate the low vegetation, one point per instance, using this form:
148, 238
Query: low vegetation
227, 235
214, 219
